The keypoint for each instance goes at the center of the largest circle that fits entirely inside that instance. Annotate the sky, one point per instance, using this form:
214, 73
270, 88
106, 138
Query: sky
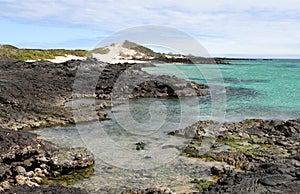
231, 28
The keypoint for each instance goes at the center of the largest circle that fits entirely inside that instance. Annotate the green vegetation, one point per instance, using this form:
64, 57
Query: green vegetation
251, 121
14, 53
242, 153
140, 49
238, 151
70, 179
232, 139
202, 184
102, 51
140, 145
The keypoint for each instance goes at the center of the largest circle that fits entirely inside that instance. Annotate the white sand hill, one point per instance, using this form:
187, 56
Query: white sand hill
61, 59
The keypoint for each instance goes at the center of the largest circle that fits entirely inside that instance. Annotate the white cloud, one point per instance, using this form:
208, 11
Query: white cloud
223, 26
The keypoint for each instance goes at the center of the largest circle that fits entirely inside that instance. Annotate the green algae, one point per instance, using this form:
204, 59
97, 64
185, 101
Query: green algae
201, 184
240, 152
70, 179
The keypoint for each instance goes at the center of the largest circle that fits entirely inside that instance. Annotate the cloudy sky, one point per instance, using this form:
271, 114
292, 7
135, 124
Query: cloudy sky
248, 28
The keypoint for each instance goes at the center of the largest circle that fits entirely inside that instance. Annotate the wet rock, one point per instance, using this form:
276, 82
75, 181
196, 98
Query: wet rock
20, 170
37, 179
5, 185
68, 159
237, 159
266, 149
244, 144
21, 180
199, 130
25, 158
5, 171
150, 191
221, 169
38, 172
275, 180
29, 174
278, 176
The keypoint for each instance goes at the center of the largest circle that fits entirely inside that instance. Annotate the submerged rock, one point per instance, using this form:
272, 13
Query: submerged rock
140, 145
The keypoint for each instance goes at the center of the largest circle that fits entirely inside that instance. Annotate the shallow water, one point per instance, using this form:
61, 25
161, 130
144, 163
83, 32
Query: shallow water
120, 166
254, 89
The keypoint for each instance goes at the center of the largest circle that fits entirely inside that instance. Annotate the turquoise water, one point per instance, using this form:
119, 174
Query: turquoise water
268, 89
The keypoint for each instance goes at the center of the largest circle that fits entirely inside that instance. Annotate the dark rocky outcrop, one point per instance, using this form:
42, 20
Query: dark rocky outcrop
278, 176
128, 80
268, 151
51, 189
32, 94
149, 191
27, 159
188, 60
249, 141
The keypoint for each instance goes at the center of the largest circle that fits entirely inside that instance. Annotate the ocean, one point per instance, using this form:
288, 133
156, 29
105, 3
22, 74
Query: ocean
266, 89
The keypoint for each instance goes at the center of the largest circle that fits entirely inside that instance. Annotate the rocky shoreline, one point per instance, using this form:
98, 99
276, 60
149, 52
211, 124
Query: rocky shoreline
188, 60
27, 159
255, 156
33, 95
262, 156
259, 156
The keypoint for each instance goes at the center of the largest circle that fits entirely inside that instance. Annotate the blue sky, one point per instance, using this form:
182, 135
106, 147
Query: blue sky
238, 28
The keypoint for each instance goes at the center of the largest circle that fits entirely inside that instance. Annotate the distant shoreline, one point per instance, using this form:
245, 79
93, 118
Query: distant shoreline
144, 55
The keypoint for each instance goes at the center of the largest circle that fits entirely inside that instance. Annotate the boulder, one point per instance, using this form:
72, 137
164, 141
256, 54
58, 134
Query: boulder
26, 158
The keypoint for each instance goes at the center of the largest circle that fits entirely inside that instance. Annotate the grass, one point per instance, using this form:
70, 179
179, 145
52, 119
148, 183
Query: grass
202, 184
140, 49
102, 51
14, 53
